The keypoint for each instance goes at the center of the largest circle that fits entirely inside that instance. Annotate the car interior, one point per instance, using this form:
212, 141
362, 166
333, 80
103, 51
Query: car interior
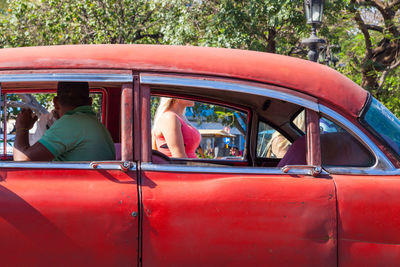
266, 121
271, 119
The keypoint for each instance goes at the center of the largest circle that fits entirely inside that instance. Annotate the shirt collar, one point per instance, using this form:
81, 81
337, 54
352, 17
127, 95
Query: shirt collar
81, 109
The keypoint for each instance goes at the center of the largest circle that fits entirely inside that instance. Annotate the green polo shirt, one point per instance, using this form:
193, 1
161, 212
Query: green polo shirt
79, 136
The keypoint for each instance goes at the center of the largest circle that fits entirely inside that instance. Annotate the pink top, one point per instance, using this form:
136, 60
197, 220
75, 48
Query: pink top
191, 139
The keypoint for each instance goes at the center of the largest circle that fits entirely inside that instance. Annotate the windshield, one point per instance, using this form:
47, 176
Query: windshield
383, 124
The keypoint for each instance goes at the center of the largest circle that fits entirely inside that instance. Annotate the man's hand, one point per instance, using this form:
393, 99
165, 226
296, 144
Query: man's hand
22, 150
25, 120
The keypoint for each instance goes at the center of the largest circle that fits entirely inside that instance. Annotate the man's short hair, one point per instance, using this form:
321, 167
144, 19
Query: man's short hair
73, 94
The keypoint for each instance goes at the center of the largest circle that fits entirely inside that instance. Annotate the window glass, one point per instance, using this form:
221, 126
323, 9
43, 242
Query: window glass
383, 124
222, 130
97, 104
299, 122
339, 148
42, 105
271, 143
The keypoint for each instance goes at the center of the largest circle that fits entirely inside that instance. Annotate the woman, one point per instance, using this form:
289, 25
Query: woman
172, 133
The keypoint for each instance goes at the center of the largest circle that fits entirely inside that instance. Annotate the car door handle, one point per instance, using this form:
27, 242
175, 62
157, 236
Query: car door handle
315, 170
124, 165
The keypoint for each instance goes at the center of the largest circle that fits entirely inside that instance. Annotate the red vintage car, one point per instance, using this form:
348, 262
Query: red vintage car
314, 180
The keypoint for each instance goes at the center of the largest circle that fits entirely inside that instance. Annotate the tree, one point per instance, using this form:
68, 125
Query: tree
366, 30
378, 42
30, 23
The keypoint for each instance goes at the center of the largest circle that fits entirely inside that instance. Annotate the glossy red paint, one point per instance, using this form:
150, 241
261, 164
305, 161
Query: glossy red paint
68, 217
326, 83
368, 220
238, 220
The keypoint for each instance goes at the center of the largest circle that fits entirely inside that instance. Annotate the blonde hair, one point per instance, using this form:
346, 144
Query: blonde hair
165, 103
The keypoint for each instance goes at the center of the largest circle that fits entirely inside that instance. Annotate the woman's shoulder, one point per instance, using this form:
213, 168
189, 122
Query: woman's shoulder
170, 115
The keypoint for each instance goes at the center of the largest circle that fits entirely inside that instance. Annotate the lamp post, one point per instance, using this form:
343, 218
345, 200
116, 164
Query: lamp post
329, 55
313, 10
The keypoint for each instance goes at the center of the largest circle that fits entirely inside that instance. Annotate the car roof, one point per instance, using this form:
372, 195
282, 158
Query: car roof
307, 77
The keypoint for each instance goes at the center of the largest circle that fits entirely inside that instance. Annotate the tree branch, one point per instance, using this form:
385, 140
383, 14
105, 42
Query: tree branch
382, 79
394, 3
374, 28
365, 32
375, 3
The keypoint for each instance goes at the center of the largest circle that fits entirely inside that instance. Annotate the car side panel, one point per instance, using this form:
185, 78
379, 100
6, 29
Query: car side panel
193, 219
369, 220
61, 217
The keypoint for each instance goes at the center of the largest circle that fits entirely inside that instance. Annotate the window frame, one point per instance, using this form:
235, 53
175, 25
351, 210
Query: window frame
225, 85
363, 122
328, 166
205, 100
100, 76
382, 167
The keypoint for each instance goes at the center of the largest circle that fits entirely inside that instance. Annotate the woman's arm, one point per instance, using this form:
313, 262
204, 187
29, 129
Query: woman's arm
170, 127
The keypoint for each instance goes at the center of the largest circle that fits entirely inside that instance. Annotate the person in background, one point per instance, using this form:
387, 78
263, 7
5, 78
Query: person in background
172, 133
76, 136
234, 151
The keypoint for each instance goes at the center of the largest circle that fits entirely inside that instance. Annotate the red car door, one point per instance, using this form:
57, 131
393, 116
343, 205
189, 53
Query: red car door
67, 214
71, 214
234, 216
229, 216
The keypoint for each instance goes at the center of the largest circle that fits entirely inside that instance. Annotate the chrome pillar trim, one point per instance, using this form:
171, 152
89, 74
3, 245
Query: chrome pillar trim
382, 162
226, 86
70, 165
179, 168
66, 77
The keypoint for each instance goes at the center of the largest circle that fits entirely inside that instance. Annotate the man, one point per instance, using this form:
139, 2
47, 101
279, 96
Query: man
76, 136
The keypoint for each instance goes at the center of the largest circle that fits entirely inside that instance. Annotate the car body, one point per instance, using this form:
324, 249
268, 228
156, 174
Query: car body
334, 203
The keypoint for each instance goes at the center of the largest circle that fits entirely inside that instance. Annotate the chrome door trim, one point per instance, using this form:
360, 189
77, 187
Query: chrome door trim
179, 168
66, 77
152, 79
382, 166
66, 165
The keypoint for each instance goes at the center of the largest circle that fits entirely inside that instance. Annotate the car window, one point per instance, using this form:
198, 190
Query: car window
270, 142
339, 148
222, 130
41, 104
298, 122
383, 124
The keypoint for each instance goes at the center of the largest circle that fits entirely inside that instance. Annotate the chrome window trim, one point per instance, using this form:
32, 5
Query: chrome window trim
178, 168
152, 79
67, 77
382, 166
64, 165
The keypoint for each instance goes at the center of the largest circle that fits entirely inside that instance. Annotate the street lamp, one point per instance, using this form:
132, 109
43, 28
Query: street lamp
313, 10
